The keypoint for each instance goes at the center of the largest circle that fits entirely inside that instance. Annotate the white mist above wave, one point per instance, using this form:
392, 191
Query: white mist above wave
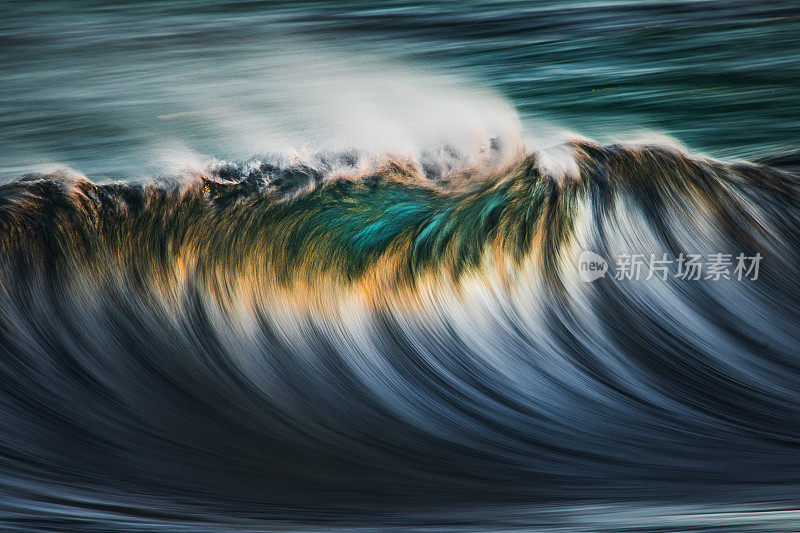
154, 111
295, 101
298, 100
301, 103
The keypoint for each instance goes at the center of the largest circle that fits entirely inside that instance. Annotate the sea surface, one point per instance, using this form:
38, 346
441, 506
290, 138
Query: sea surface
315, 266
107, 88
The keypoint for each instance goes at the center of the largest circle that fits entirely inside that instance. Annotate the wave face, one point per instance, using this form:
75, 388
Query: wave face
249, 340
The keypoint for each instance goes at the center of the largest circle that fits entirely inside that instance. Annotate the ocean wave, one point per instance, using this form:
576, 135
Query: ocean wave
276, 334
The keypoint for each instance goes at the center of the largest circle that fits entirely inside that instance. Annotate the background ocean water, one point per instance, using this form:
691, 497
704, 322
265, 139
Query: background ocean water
108, 89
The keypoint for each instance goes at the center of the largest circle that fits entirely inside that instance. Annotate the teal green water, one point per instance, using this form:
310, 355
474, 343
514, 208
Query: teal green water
107, 89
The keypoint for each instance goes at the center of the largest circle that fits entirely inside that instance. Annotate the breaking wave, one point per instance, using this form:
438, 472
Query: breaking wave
248, 339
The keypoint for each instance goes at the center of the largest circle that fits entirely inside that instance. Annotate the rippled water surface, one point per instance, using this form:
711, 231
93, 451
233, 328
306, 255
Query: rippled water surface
107, 89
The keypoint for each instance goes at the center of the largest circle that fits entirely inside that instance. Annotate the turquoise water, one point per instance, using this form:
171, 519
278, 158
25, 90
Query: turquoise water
108, 90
